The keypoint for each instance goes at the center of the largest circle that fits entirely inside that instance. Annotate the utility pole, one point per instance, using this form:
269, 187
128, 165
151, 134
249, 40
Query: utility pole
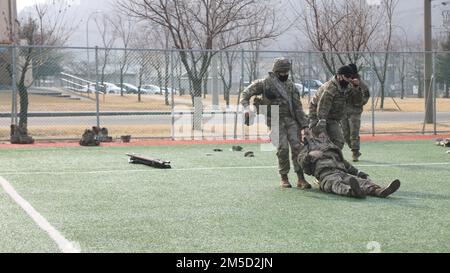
428, 63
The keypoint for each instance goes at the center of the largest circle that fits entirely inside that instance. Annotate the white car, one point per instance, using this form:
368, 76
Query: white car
150, 89
84, 89
309, 87
169, 90
129, 88
111, 88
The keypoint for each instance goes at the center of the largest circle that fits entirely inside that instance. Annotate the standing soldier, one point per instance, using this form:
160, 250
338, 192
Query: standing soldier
351, 123
327, 107
277, 90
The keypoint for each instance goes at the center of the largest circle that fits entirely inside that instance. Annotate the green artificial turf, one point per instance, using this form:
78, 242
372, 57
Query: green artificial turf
221, 203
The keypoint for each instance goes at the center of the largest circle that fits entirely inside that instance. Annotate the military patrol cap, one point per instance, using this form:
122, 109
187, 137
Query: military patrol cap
281, 65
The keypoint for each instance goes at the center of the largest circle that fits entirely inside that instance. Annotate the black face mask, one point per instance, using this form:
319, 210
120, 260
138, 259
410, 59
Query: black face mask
283, 78
344, 83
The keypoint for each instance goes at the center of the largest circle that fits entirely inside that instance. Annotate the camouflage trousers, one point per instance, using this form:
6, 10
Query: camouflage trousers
351, 125
334, 131
337, 182
283, 137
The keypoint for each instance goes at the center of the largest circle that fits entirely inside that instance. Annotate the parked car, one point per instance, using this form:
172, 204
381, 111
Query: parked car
150, 89
128, 88
111, 88
309, 87
84, 89
169, 90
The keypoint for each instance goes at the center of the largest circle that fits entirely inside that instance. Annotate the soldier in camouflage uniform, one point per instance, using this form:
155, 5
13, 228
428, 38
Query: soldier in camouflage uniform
351, 123
277, 90
327, 107
324, 160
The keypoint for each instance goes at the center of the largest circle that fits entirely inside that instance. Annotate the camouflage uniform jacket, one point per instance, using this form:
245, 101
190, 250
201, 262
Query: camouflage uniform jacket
357, 97
265, 86
329, 101
320, 157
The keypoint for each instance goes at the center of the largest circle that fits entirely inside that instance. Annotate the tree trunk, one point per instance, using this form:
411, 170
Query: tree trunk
121, 83
140, 83
227, 95
447, 88
166, 79
382, 96
205, 85
198, 107
420, 93
23, 114
160, 83
402, 82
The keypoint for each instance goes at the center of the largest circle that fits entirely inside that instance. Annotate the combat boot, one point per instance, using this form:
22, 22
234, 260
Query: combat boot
302, 183
356, 155
284, 184
388, 190
356, 190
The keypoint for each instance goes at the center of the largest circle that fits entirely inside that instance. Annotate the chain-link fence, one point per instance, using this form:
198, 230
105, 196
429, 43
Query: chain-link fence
61, 91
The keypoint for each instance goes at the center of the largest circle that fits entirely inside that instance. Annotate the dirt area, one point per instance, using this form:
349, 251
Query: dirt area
112, 102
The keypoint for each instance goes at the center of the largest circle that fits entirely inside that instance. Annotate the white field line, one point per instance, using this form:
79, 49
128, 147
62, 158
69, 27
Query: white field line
64, 245
203, 169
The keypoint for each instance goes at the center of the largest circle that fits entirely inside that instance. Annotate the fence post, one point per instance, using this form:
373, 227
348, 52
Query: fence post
373, 102
434, 95
241, 84
97, 102
14, 86
172, 108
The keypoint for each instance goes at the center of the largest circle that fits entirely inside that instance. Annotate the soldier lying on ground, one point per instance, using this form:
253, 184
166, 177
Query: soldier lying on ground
324, 160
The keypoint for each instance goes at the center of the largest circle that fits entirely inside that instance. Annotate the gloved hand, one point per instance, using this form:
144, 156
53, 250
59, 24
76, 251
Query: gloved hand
363, 175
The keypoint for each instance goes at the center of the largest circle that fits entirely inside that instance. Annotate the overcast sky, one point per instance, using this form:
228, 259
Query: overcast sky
24, 3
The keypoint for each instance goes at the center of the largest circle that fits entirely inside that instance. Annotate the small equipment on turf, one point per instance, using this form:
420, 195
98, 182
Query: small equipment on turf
249, 154
443, 142
149, 161
237, 148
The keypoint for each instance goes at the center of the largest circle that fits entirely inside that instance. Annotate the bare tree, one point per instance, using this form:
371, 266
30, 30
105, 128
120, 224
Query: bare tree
105, 28
159, 37
340, 30
123, 31
403, 60
228, 61
48, 26
382, 42
198, 24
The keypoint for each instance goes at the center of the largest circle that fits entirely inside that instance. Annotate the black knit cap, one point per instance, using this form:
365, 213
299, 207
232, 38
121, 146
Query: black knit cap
354, 68
345, 70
